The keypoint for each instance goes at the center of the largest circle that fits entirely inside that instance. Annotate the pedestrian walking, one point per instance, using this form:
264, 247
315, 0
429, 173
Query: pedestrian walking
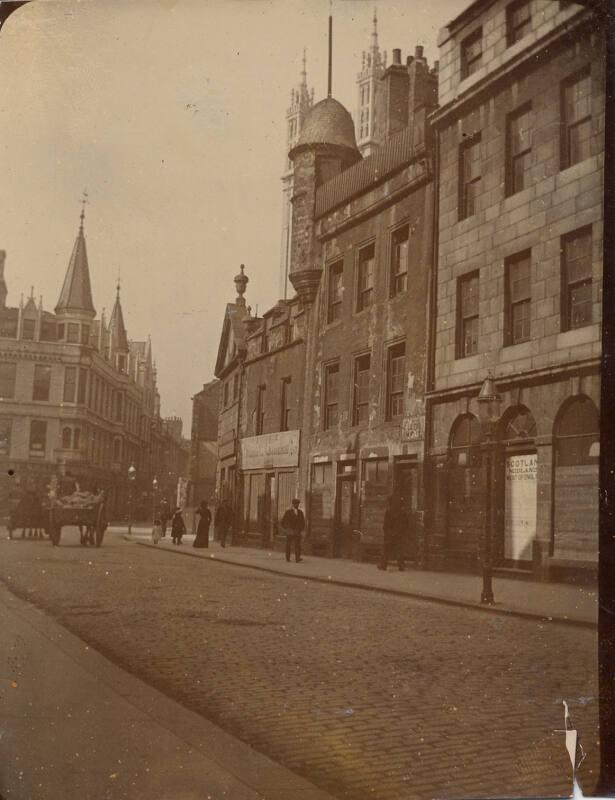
224, 518
293, 525
394, 528
202, 530
157, 531
165, 513
178, 527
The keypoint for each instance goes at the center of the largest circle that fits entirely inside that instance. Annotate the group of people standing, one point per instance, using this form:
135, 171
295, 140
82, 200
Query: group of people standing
222, 523
395, 528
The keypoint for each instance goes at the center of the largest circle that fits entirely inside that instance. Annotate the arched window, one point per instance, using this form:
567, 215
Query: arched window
575, 497
66, 437
518, 425
465, 490
577, 433
76, 438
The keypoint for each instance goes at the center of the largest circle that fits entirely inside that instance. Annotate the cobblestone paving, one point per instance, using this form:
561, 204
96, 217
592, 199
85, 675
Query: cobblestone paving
367, 695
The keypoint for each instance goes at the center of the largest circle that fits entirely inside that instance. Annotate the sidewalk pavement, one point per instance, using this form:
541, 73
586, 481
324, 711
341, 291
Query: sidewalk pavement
76, 727
556, 602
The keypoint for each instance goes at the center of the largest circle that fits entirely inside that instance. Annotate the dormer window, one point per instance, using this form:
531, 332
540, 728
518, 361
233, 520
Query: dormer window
28, 327
72, 333
471, 53
121, 363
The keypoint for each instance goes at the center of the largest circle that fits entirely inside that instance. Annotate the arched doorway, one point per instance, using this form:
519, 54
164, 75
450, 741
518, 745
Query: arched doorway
517, 434
576, 457
466, 496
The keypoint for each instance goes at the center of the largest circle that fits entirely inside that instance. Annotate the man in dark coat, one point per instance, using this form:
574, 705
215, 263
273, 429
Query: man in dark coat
224, 518
202, 531
394, 528
293, 524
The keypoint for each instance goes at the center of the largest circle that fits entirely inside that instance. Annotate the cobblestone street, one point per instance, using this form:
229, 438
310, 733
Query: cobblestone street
365, 694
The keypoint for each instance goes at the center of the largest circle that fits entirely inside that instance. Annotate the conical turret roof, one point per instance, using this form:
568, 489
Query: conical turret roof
119, 339
76, 294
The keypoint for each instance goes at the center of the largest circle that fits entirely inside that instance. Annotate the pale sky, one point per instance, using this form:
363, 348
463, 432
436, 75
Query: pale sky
172, 114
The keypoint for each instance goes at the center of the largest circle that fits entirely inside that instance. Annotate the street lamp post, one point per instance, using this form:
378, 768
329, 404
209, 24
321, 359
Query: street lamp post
132, 474
489, 414
154, 496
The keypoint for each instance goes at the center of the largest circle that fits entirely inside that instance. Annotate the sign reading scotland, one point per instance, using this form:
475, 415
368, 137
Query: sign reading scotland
270, 450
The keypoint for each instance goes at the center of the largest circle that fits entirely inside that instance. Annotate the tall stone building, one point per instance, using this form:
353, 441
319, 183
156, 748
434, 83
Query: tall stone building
204, 442
77, 397
517, 293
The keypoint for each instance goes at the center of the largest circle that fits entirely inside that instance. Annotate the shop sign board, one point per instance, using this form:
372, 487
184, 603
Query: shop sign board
520, 507
412, 428
270, 450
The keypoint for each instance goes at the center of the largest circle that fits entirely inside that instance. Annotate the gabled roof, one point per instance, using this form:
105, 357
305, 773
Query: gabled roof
119, 339
76, 294
233, 334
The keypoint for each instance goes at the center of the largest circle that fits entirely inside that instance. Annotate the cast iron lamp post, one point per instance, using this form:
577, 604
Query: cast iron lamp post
132, 474
489, 414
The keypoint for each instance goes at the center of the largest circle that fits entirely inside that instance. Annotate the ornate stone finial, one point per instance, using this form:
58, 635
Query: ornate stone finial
31, 292
304, 70
84, 201
241, 281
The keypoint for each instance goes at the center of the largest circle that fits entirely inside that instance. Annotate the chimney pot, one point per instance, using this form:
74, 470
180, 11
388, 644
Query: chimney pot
397, 56
418, 51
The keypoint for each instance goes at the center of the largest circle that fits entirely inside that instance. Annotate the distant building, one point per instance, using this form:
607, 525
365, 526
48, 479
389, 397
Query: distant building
204, 443
77, 397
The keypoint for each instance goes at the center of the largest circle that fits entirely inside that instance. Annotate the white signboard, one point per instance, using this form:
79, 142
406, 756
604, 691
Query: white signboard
520, 507
270, 450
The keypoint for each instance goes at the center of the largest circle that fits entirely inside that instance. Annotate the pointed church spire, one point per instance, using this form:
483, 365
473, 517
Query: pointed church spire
117, 329
76, 294
375, 33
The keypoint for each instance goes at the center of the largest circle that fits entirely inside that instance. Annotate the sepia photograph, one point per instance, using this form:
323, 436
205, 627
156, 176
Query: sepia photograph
302, 362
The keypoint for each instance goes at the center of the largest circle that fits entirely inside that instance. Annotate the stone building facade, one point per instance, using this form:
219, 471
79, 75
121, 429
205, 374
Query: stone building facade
204, 443
517, 290
77, 397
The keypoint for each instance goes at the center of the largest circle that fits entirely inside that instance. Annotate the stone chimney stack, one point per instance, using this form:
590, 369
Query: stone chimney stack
392, 99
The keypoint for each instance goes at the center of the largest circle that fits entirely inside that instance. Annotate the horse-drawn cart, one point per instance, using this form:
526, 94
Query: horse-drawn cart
82, 509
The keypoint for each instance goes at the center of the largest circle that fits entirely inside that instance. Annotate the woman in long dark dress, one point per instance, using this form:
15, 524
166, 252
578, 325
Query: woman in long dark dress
202, 531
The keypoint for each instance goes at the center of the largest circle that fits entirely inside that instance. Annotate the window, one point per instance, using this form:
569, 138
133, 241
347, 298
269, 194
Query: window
375, 470
471, 53
467, 315
76, 438
360, 395
576, 119
66, 438
70, 384
336, 291
469, 176
49, 331
260, 409
285, 407
72, 332
85, 334
518, 298
7, 380
399, 260
365, 275
518, 21
396, 380
5, 436
577, 279
332, 372
117, 450
61, 329
519, 147
578, 434
42, 382
519, 425
235, 386
83, 379
27, 331
38, 438
119, 407
121, 362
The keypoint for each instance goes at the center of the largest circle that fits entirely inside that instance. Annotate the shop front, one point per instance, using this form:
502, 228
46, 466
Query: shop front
269, 482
